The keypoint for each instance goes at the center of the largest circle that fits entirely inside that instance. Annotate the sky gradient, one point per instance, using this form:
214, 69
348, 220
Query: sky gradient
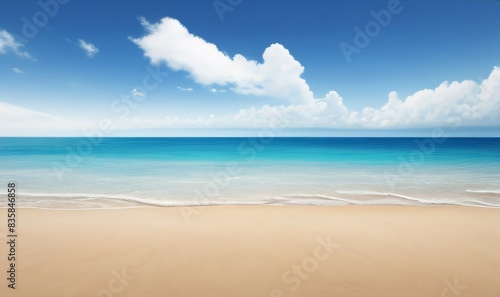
306, 68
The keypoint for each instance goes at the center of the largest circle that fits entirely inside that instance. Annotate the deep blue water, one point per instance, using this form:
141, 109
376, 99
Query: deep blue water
82, 172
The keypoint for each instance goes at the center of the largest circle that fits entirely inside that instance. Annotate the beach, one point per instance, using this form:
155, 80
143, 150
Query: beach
250, 149
258, 251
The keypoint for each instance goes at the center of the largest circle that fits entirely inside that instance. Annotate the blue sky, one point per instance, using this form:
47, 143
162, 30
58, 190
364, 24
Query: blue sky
73, 70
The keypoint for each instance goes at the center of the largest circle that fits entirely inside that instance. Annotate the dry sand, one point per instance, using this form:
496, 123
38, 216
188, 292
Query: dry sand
257, 251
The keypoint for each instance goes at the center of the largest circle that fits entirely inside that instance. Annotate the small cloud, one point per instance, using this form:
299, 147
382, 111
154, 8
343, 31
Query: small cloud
9, 43
136, 93
185, 89
214, 90
17, 70
89, 48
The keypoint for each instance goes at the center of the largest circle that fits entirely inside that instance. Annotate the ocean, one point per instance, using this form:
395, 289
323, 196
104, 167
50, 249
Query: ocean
86, 173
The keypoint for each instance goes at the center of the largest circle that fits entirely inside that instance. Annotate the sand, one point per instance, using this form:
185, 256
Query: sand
257, 251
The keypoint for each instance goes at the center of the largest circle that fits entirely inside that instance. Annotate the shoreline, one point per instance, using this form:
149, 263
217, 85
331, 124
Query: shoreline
94, 201
256, 205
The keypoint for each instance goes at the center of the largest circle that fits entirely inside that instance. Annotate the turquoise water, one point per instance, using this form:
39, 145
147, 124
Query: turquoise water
126, 172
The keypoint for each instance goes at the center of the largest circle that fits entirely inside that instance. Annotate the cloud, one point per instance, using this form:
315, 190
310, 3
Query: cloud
171, 122
16, 121
9, 43
136, 93
278, 76
325, 112
7, 109
456, 103
450, 104
214, 90
466, 103
17, 70
90, 49
185, 89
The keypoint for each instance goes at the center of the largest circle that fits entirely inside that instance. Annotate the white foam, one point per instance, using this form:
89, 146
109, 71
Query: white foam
76, 195
484, 191
63, 197
419, 200
111, 201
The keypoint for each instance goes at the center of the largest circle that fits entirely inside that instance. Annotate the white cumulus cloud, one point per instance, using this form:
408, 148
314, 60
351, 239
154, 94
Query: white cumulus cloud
457, 103
466, 103
278, 76
90, 49
9, 43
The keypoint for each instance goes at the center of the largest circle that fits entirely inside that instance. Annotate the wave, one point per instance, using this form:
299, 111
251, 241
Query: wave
57, 197
403, 200
400, 196
307, 199
495, 192
374, 193
431, 201
113, 201
75, 195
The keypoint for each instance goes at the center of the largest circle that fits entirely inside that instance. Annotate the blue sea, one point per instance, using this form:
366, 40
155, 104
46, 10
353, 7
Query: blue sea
83, 173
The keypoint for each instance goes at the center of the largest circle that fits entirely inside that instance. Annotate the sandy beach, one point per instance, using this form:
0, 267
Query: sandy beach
257, 251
